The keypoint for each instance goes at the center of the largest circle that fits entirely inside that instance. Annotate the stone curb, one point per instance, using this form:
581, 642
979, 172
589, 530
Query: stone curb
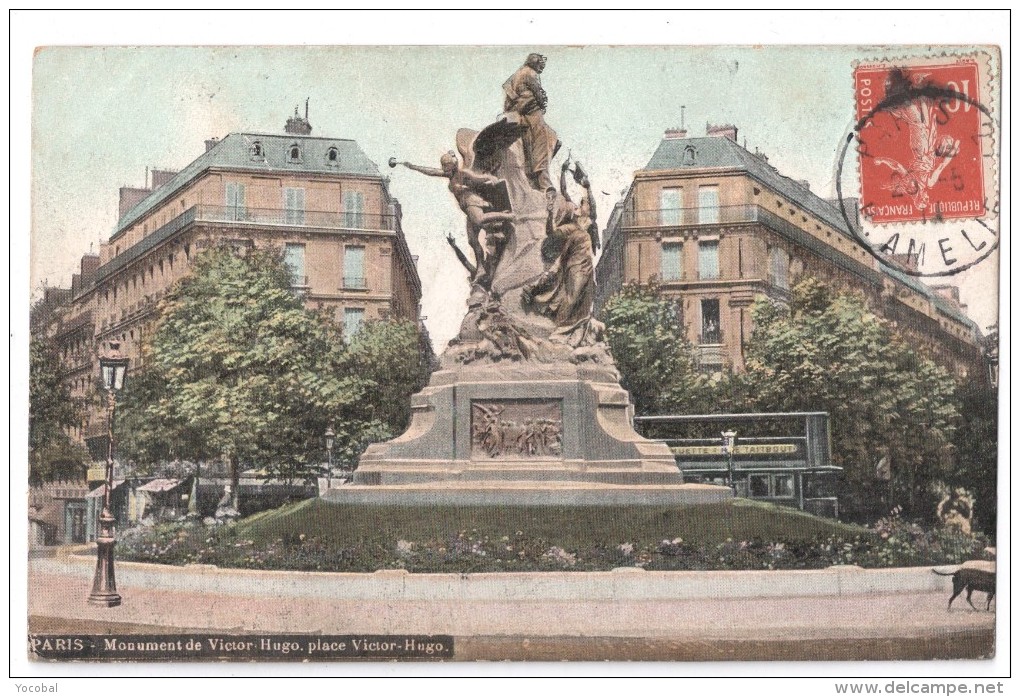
620, 584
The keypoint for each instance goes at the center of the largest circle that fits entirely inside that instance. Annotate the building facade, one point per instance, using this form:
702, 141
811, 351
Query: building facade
716, 226
320, 201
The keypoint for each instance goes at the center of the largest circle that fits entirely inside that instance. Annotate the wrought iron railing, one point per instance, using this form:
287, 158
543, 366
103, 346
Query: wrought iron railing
243, 214
683, 217
285, 216
711, 336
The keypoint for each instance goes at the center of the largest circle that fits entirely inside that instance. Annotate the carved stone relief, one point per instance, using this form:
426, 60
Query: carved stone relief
516, 429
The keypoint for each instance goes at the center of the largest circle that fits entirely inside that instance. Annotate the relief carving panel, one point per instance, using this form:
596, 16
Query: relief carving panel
516, 429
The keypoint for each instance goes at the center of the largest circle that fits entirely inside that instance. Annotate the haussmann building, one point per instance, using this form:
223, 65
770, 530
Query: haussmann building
716, 227
319, 200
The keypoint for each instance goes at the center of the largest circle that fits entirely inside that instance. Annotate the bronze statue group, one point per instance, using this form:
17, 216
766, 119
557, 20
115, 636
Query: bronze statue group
565, 291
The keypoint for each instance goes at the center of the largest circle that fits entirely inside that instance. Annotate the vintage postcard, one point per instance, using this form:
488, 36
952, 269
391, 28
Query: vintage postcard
447, 354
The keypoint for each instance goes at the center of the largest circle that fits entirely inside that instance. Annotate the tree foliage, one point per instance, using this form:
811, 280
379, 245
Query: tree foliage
976, 452
829, 352
825, 352
390, 356
239, 370
52, 454
648, 340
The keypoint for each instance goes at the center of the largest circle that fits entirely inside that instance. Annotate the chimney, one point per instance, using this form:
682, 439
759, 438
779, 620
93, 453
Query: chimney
161, 177
805, 184
905, 261
722, 131
948, 292
297, 125
129, 198
211, 143
89, 266
681, 132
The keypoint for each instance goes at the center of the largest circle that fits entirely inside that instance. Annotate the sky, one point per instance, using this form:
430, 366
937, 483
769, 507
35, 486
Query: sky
102, 115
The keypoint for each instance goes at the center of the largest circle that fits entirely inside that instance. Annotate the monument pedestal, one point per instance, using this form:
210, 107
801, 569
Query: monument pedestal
522, 434
528, 408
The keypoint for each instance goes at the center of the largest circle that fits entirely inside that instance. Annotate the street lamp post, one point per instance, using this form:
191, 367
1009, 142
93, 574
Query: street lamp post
330, 438
193, 513
729, 445
112, 369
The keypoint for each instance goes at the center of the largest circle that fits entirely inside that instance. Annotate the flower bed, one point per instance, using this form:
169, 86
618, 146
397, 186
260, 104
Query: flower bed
892, 542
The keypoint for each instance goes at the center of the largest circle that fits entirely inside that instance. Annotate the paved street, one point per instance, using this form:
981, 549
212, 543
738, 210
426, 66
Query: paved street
882, 625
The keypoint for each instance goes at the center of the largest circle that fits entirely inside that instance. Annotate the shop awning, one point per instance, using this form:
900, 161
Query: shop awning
100, 491
157, 486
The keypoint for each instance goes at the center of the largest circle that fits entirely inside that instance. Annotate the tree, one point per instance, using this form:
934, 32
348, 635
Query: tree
648, 340
828, 352
391, 356
52, 454
976, 451
237, 368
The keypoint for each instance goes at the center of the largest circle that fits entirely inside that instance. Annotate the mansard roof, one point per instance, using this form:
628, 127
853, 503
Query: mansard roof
235, 152
721, 152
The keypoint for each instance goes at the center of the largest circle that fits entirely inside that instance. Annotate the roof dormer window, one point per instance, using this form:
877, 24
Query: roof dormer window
257, 151
294, 153
333, 157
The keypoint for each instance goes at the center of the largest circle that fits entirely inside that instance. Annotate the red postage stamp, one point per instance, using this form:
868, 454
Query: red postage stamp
920, 141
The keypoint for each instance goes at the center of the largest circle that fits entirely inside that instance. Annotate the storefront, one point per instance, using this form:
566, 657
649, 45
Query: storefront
783, 458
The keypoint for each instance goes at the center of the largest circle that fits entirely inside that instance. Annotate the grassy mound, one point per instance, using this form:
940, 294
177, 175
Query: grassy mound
739, 534
565, 527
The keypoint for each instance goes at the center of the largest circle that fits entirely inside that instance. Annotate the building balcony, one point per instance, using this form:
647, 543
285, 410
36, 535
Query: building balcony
690, 217
255, 217
711, 354
290, 217
665, 220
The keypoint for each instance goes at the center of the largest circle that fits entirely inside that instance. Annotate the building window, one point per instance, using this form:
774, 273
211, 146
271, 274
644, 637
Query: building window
708, 204
257, 152
708, 259
235, 201
710, 331
779, 267
294, 206
759, 485
354, 267
333, 157
294, 153
354, 210
294, 257
672, 261
782, 486
353, 319
771, 486
669, 206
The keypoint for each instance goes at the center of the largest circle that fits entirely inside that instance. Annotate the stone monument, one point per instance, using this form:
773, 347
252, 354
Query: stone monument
527, 407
